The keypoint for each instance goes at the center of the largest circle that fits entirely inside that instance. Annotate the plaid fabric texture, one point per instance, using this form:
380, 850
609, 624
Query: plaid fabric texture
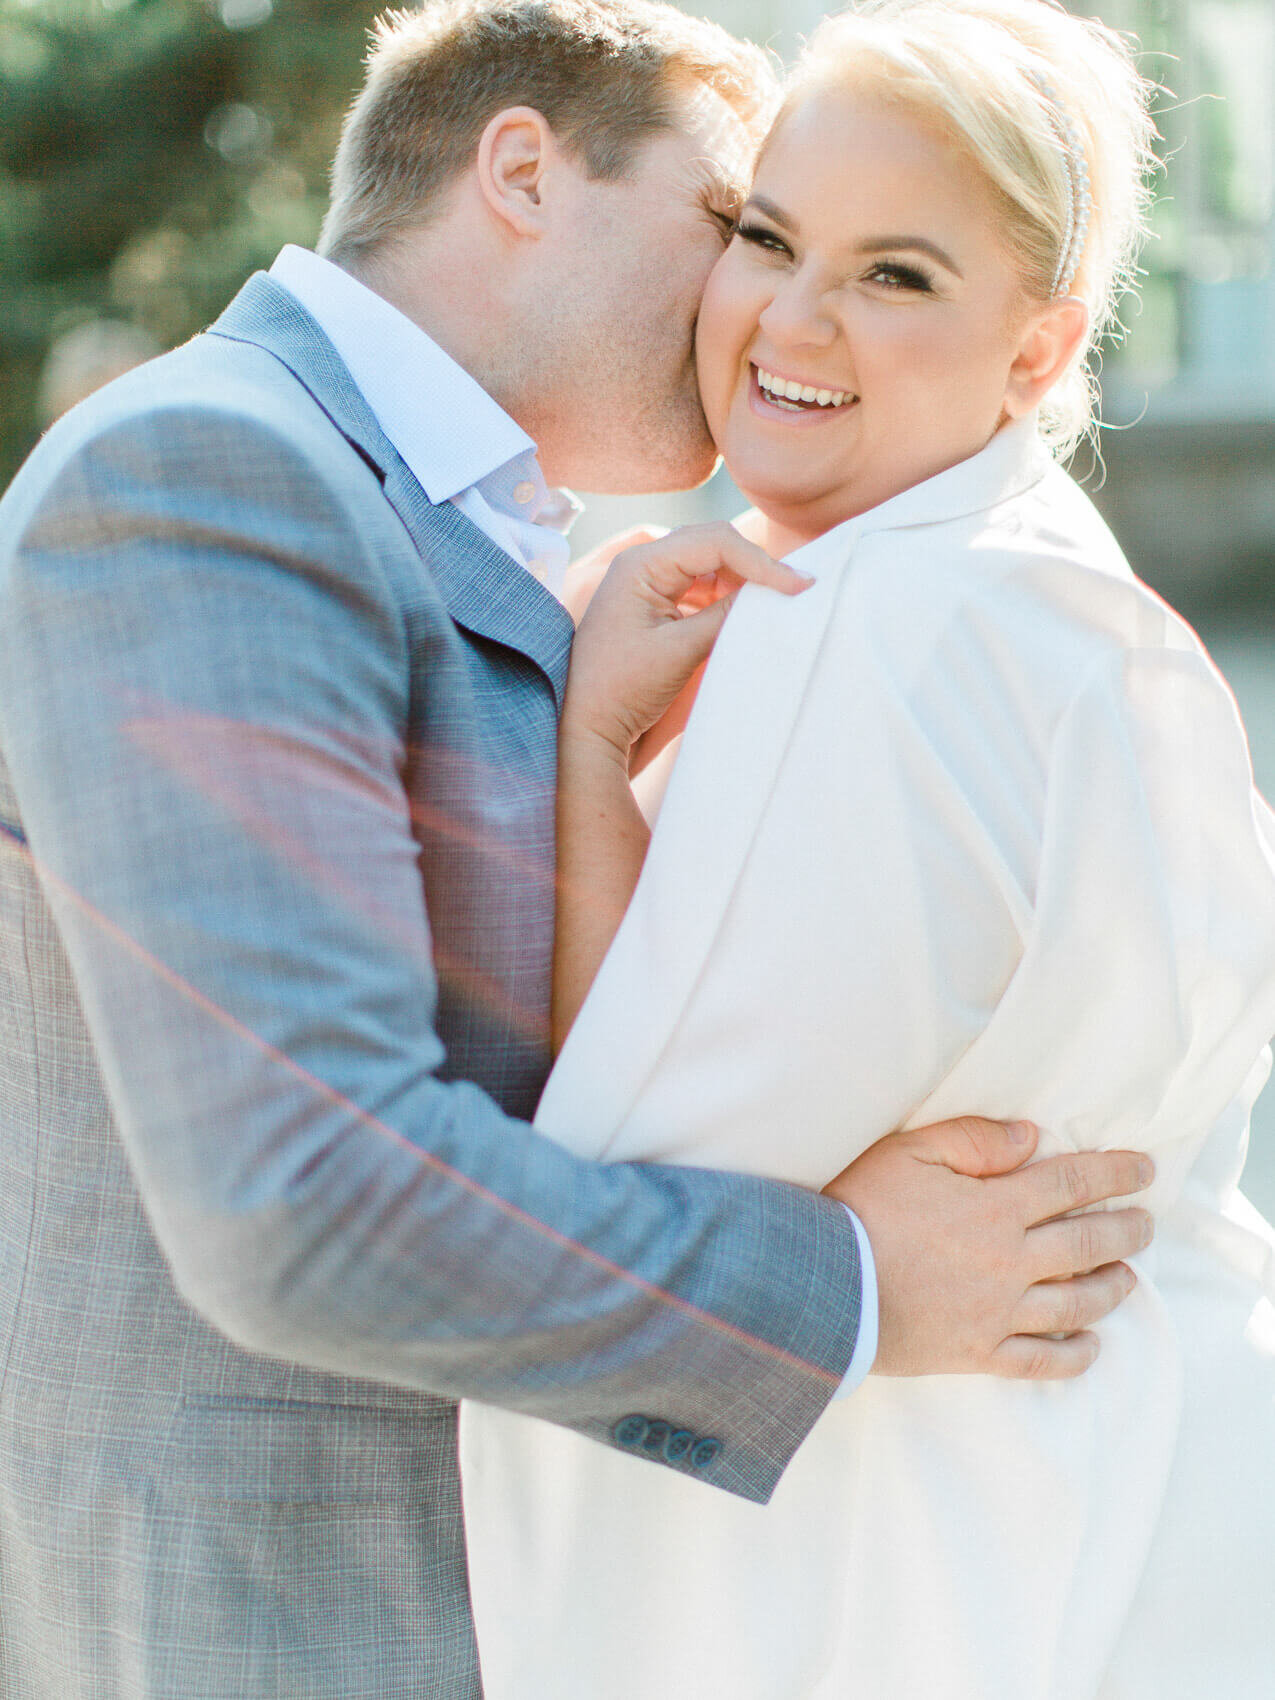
277, 747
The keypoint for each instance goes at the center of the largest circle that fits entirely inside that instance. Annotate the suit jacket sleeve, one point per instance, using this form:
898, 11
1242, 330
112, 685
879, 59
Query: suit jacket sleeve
202, 681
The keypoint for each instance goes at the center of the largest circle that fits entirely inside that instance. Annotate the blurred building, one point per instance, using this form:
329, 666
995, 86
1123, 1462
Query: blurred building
1191, 489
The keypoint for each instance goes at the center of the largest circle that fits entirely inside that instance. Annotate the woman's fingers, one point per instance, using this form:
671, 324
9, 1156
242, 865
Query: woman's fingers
1067, 1307
671, 566
586, 574
687, 647
1079, 1244
641, 641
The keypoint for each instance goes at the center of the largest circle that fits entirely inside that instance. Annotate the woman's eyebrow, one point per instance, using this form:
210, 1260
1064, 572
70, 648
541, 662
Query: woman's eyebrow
772, 212
919, 244
869, 244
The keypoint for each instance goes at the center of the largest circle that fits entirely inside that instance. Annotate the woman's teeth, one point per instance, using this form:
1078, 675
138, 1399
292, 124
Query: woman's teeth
782, 392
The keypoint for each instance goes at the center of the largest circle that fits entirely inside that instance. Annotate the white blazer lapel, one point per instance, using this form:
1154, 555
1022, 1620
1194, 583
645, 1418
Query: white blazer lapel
673, 920
724, 775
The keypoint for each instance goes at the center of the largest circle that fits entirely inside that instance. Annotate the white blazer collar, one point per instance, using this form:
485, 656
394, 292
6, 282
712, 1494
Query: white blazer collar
1011, 463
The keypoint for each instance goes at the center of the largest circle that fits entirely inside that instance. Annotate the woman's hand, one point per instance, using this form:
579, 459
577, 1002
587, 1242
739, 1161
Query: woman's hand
650, 625
652, 622
585, 575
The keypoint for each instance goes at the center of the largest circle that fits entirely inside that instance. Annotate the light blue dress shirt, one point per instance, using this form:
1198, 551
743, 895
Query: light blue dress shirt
461, 446
464, 448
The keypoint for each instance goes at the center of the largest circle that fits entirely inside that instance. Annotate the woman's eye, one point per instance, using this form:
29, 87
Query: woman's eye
759, 237
894, 274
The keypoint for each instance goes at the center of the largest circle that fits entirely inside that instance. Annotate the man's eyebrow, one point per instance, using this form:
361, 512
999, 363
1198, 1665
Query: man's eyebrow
721, 186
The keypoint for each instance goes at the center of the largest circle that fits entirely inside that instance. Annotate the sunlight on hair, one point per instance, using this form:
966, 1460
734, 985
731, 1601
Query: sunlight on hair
1044, 103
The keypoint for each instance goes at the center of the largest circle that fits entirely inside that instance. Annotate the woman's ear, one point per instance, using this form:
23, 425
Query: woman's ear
1053, 339
515, 152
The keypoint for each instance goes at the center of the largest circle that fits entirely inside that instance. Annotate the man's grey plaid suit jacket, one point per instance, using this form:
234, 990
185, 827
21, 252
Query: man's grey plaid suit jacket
276, 840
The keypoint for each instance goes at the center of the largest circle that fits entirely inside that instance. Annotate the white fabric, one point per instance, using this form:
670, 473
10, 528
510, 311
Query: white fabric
459, 443
868, 1337
968, 827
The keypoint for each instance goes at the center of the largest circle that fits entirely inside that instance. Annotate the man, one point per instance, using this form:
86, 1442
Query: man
279, 677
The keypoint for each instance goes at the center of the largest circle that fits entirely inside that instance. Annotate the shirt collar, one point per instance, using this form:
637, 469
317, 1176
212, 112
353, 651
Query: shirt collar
449, 431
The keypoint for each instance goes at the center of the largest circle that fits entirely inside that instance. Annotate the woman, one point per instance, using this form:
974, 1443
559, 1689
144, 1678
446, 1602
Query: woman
976, 808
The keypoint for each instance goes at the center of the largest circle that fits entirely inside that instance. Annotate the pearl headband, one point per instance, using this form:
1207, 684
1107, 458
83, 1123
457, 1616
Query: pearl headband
1078, 198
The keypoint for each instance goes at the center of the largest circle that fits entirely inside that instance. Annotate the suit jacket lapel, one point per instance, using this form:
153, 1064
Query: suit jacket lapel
485, 590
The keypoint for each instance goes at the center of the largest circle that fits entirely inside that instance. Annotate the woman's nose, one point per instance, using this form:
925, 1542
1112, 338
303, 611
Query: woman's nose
798, 315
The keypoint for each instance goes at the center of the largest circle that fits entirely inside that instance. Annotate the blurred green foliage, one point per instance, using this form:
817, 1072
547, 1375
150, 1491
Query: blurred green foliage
153, 153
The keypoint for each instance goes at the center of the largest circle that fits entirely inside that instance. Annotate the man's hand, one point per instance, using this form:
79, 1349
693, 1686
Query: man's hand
979, 1261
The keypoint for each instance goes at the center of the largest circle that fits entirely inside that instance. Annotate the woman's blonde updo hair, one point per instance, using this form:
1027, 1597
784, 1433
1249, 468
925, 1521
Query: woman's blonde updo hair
1008, 80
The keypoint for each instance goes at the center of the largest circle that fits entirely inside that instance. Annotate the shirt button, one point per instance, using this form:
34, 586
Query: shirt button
539, 569
525, 491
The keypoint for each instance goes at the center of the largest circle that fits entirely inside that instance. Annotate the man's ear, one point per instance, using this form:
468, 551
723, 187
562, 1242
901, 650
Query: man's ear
515, 153
1050, 344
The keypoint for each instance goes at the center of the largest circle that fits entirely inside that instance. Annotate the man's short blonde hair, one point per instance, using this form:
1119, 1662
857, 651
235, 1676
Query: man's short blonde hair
605, 75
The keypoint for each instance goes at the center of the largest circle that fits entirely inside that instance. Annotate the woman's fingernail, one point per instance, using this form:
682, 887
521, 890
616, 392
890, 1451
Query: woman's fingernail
1146, 1171
1020, 1132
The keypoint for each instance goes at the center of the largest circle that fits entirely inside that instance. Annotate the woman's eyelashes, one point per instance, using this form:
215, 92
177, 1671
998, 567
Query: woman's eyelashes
759, 237
898, 276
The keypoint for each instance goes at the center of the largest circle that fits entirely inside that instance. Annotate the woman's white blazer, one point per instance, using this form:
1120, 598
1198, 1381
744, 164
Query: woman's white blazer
969, 827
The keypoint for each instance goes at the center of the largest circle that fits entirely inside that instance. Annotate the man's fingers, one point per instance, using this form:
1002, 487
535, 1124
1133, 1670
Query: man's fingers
1066, 1307
1050, 1188
1082, 1243
972, 1146
1058, 1184
1024, 1357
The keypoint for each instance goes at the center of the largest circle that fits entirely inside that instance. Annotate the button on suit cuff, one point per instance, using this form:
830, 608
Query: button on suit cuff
865, 1347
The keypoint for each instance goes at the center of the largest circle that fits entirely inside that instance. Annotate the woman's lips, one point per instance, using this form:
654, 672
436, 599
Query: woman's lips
795, 413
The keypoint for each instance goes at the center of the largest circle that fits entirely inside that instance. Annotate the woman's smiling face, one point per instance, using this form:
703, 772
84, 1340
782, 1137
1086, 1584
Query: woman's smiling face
868, 273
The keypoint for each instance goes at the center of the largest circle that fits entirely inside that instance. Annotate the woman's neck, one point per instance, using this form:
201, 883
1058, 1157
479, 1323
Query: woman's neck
776, 539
